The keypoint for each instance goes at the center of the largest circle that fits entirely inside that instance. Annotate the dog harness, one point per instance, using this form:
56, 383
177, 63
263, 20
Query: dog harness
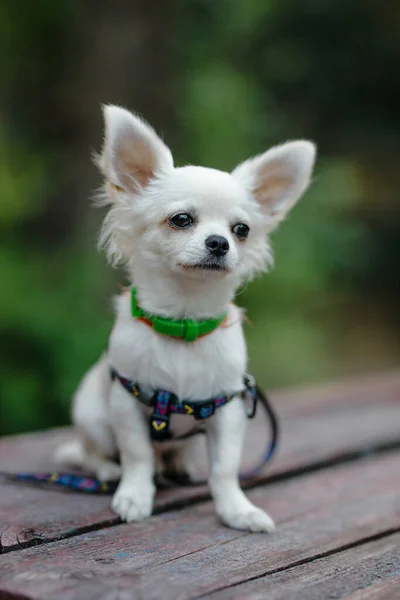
166, 403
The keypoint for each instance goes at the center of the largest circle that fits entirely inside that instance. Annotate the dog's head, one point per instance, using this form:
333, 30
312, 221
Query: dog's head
194, 221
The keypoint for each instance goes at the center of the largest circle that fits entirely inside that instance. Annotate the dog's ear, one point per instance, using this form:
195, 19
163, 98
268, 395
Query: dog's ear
278, 177
132, 154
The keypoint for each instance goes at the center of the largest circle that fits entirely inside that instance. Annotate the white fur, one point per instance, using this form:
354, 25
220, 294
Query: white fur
144, 190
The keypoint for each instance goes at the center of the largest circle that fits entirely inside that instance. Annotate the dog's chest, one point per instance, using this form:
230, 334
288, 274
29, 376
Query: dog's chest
197, 370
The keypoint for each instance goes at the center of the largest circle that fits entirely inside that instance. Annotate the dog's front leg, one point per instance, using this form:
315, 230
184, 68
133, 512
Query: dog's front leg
133, 500
225, 433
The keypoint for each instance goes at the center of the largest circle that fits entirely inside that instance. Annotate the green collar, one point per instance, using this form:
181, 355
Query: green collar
185, 329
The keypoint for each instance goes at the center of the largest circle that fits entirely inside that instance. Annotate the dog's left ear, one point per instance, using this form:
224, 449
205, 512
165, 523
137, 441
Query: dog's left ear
278, 178
133, 154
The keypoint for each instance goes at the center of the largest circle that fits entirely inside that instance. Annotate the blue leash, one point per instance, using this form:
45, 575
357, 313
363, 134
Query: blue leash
91, 485
274, 439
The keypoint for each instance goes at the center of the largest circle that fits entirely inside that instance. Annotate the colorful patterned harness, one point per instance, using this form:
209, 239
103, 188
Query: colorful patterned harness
166, 403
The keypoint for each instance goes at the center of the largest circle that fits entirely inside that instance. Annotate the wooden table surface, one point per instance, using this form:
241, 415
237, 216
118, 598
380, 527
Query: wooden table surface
333, 490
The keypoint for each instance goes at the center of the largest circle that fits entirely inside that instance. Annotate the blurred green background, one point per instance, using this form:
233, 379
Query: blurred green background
221, 80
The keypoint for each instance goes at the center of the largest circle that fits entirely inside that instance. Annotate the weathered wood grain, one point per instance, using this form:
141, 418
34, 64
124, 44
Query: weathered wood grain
336, 576
30, 515
317, 427
186, 554
389, 589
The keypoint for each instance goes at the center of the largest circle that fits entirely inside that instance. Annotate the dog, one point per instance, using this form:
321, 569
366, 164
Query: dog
188, 237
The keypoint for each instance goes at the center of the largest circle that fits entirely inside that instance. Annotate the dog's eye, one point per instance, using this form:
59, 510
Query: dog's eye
181, 220
241, 230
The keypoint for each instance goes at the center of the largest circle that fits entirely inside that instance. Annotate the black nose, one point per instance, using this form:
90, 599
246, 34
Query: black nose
217, 245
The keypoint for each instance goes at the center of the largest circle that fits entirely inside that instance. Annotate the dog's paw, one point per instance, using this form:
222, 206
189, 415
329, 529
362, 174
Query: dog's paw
254, 520
132, 504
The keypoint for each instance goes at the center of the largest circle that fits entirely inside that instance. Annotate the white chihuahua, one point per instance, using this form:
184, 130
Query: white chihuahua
189, 237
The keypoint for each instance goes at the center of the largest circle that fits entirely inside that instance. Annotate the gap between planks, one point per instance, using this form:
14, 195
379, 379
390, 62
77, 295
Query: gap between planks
177, 504
363, 570
310, 559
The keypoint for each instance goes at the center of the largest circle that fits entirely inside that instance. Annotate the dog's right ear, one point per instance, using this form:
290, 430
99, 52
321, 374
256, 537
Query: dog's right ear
132, 154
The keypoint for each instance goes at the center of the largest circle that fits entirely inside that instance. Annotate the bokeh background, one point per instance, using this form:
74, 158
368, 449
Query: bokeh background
221, 80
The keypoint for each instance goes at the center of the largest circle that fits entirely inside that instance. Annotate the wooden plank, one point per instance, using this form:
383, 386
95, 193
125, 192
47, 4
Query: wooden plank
351, 573
384, 590
30, 515
317, 427
186, 554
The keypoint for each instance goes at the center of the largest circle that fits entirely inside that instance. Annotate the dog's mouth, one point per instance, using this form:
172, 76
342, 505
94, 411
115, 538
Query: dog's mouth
209, 265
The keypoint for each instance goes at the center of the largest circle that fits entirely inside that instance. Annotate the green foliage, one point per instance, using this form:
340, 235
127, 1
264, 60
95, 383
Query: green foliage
245, 75
22, 178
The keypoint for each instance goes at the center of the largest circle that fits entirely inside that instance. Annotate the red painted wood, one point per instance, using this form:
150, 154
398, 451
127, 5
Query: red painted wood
317, 426
336, 576
185, 554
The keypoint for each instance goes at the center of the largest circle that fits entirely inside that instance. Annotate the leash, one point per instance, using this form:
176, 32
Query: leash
274, 436
91, 485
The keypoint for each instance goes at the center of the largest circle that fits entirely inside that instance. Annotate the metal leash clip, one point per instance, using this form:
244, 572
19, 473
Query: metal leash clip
251, 393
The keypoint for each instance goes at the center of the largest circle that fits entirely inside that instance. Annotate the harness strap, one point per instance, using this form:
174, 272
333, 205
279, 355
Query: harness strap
159, 420
166, 403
